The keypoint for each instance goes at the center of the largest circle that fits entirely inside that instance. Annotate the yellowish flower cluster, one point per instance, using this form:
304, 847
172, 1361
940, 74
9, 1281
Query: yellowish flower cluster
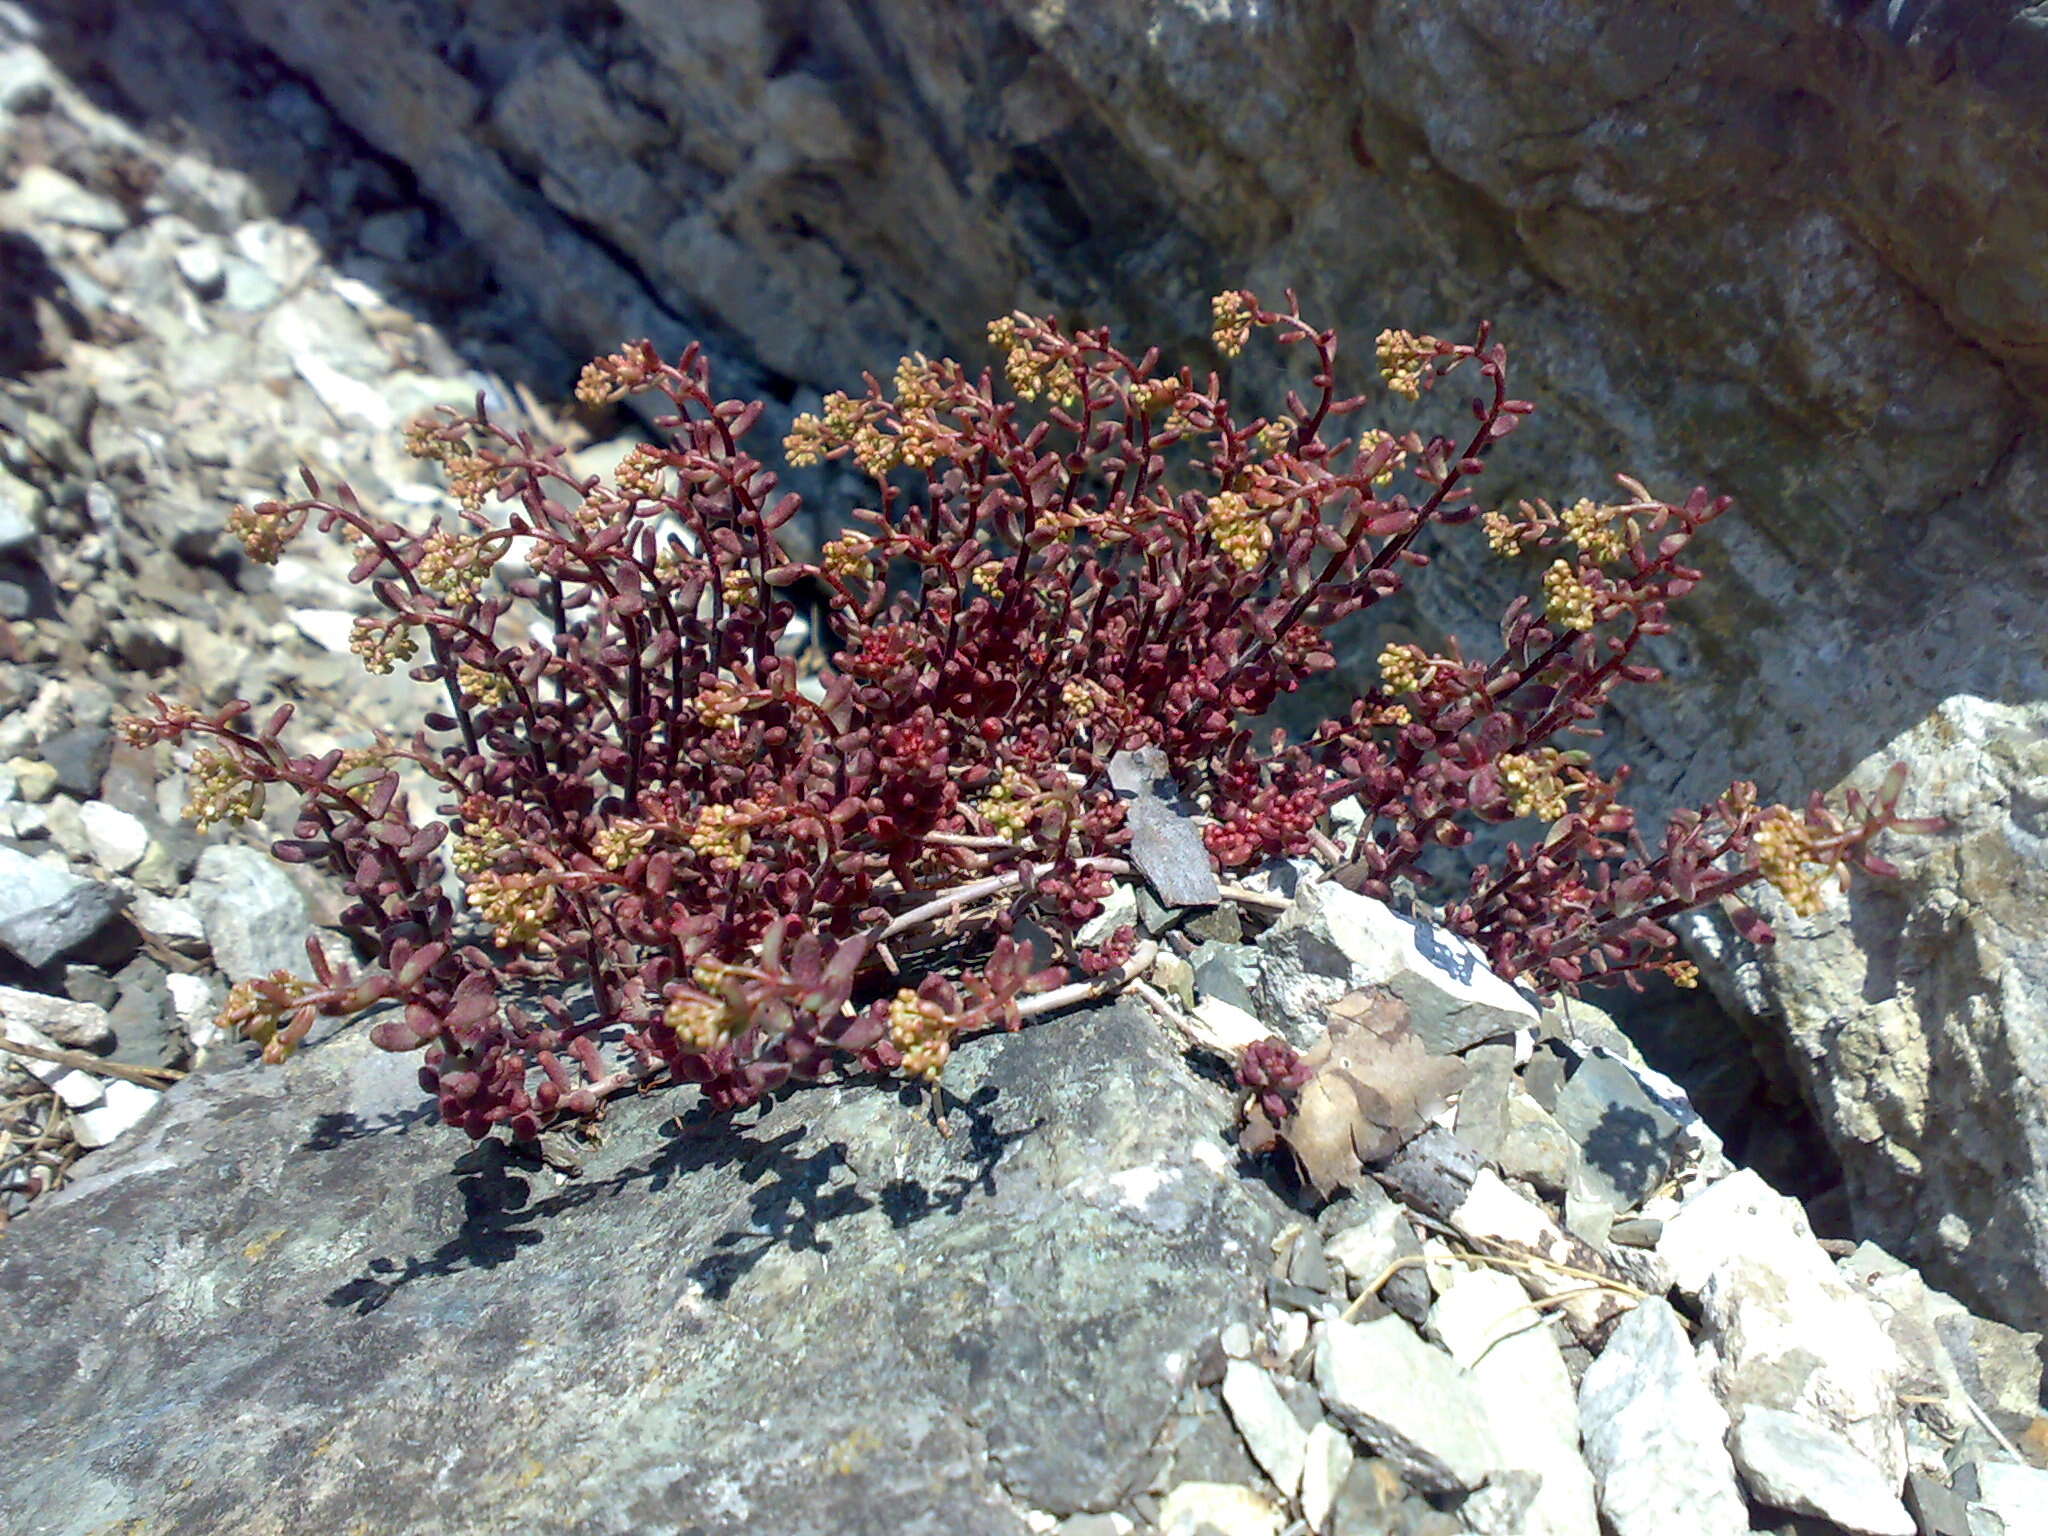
1239, 530
1403, 358
720, 706
517, 907
850, 556
923, 1032
811, 437
1503, 534
218, 791
256, 1010
1034, 369
1785, 848
1605, 533
876, 451
1276, 436
610, 378
721, 835
489, 689
423, 439
1569, 599
1369, 442
1230, 322
382, 644
454, 566
921, 442
359, 772
1007, 805
1082, 697
918, 385
1393, 714
621, 842
1534, 785
1406, 668
988, 576
702, 1023
1683, 973
642, 473
264, 532
740, 589
1156, 396
471, 477
481, 840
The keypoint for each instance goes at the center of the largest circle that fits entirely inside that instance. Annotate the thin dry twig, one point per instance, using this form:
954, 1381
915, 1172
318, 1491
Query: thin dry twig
148, 1077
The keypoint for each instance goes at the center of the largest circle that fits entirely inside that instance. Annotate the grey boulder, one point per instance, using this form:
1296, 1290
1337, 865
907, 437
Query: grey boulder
293, 1300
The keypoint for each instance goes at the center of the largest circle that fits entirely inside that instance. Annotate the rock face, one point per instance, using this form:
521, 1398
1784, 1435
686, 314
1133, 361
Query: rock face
1790, 248
833, 1319
1916, 1011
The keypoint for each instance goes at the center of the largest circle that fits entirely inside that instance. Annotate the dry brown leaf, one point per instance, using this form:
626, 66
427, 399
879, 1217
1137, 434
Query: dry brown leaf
1375, 1088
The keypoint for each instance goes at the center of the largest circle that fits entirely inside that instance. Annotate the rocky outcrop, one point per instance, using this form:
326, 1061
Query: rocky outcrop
830, 1319
1916, 1011
1790, 249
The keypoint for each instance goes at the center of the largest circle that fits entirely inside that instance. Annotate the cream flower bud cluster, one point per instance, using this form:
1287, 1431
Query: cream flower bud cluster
618, 844
517, 909
701, 1023
720, 835
487, 688
1034, 370
1230, 323
1403, 358
1534, 786
1604, 533
1406, 668
850, 556
642, 473
923, 1032
264, 532
740, 589
217, 790
453, 566
1786, 851
610, 378
1239, 530
1569, 599
1370, 441
1006, 806
381, 644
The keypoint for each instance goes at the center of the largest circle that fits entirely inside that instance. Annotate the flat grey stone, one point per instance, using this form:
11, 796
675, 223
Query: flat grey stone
1485, 1322
48, 913
1791, 1463
1273, 1435
940, 1332
1167, 849
1627, 1141
73, 1025
43, 192
80, 756
256, 919
1325, 1465
1229, 972
1788, 1331
1366, 1234
1410, 1403
1654, 1436
2006, 1499
20, 509
117, 840
1332, 942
